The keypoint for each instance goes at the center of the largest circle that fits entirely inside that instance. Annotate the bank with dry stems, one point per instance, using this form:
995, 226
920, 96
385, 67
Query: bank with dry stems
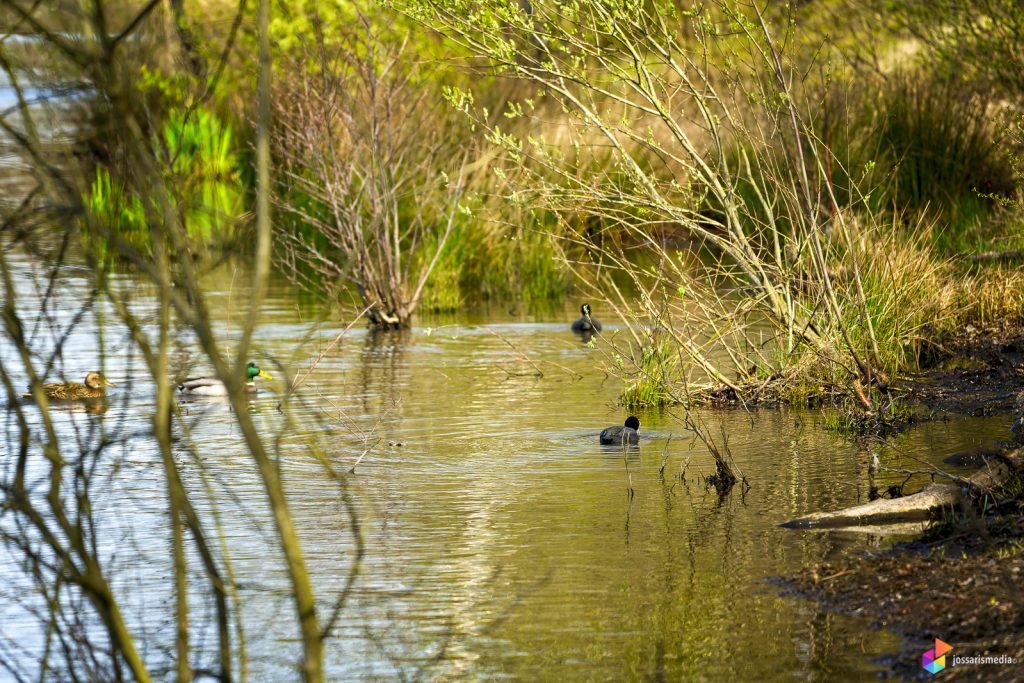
713, 137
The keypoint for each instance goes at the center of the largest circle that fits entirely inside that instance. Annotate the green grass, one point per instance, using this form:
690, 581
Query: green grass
510, 262
645, 393
648, 381
973, 227
918, 144
442, 293
205, 172
204, 180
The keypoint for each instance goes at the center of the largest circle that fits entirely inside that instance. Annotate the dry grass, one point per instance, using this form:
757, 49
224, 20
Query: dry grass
993, 295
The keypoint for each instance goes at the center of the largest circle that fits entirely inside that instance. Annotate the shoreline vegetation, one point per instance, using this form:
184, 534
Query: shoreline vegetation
774, 224
813, 203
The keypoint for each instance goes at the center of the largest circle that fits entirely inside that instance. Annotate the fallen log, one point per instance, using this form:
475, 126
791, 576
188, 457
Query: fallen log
920, 506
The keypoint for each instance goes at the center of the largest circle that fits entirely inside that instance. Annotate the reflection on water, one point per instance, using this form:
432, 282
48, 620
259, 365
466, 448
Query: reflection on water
501, 539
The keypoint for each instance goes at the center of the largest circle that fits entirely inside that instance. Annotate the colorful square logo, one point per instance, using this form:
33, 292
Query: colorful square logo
934, 661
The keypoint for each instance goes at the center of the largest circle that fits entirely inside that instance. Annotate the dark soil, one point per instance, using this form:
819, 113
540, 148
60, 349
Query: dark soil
969, 598
977, 372
963, 583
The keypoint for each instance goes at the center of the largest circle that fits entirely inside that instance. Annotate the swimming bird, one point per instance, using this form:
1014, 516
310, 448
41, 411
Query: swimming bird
586, 323
93, 387
208, 386
620, 435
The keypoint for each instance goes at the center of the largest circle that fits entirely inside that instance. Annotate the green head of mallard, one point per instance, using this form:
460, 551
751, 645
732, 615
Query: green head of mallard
252, 372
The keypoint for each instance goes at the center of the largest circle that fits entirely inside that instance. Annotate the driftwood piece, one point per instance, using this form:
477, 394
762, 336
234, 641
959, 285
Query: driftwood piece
919, 506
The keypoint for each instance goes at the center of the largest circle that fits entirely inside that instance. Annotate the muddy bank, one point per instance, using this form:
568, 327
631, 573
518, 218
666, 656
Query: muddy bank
976, 372
970, 598
962, 582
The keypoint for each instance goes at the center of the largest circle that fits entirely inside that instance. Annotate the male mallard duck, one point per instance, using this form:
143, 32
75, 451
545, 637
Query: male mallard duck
205, 386
586, 323
93, 387
620, 435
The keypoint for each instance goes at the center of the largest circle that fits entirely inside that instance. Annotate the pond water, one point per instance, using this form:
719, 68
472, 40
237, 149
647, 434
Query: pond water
501, 541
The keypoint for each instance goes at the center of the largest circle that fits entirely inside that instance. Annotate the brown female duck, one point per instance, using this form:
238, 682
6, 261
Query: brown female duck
94, 387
